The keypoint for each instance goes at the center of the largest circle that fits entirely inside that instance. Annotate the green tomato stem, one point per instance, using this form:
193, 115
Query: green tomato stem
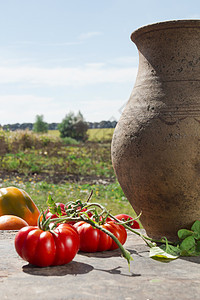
126, 254
149, 241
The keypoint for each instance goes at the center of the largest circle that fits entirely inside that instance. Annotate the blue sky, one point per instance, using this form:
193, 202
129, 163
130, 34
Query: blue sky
58, 56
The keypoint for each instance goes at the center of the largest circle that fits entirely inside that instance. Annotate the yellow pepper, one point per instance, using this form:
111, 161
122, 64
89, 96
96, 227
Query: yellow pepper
14, 201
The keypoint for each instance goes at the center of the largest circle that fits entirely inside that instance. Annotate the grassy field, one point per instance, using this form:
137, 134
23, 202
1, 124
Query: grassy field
110, 196
43, 165
100, 134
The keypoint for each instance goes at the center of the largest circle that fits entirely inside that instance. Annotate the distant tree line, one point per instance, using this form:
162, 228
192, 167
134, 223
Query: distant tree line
102, 124
54, 126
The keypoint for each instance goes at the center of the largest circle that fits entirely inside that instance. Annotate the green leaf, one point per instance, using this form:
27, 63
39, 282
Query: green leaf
193, 251
51, 204
196, 228
196, 235
187, 243
183, 233
160, 254
198, 246
187, 246
58, 210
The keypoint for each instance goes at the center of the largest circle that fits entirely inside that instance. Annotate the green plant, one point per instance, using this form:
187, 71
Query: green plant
21, 140
69, 141
188, 244
40, 125
74, 127
108, 195
3, 145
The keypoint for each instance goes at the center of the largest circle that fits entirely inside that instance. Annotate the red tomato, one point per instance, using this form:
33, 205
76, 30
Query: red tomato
62, 206
50, 215
123, 217
119, 231
92, 239
105, 241
67, 244
43, 248
89, 236
85, 210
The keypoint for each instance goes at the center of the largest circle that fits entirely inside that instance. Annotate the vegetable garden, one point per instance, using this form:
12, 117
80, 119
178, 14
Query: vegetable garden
43, 164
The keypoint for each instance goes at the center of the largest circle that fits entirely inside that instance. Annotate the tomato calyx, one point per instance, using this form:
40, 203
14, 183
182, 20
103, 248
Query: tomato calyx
44, 223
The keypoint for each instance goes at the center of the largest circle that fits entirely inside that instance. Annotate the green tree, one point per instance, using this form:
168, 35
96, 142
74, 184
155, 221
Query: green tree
40, 125
74, 126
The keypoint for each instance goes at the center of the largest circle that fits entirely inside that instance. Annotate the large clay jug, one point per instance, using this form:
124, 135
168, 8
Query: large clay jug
156, 143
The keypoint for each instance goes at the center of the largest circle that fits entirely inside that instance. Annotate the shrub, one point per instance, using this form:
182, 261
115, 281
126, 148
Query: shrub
40, 125
3, 144
74, 127
21, 140
69, 141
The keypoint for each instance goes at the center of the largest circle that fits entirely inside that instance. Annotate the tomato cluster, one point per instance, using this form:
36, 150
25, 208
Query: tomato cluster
46, 248
59, 246
121, 217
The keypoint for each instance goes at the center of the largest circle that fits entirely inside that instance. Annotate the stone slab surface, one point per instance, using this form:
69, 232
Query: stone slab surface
98, 276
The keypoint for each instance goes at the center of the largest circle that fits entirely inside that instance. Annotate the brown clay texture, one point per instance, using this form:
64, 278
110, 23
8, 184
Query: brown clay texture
156, 143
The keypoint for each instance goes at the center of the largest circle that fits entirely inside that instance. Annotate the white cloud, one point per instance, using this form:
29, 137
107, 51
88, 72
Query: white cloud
23, 108
47, 88
76, 76
100, 108
21, 100
193, 17
35, 43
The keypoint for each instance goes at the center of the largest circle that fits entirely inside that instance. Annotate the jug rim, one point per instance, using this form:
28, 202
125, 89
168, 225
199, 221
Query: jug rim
171, 24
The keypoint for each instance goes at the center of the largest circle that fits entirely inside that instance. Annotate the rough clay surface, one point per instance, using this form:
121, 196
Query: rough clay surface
155, 147
98, 276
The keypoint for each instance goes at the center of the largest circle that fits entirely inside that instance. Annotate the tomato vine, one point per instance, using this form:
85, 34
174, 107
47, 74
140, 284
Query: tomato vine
188, 241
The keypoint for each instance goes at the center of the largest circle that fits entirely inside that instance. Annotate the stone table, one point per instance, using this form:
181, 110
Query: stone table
95, 276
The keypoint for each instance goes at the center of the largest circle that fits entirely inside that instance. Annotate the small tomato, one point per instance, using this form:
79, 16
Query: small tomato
123, 217
11, 222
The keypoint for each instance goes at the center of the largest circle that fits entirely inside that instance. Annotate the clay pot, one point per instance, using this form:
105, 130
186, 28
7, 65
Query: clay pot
156, 143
